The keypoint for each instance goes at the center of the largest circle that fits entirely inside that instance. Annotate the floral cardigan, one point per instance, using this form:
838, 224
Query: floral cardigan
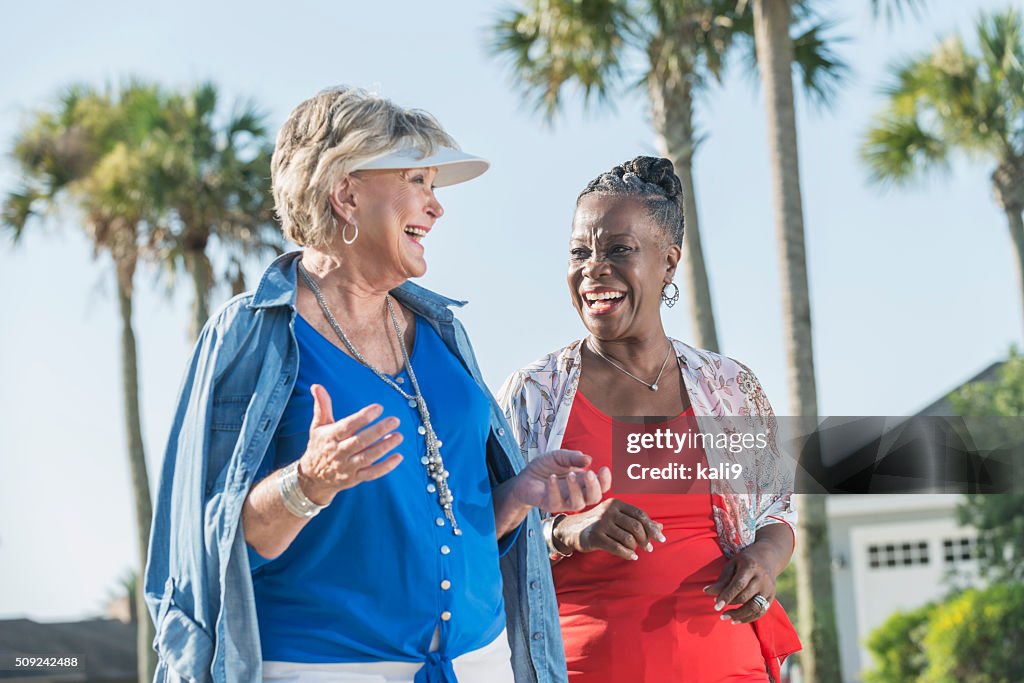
724, 393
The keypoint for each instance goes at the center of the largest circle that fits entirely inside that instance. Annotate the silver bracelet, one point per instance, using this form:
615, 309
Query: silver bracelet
548, 529
295, 501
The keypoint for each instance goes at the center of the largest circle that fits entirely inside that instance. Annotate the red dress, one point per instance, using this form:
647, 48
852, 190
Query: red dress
649, 620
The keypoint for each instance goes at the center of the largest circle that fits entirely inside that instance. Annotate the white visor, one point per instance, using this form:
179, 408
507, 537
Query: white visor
453, 166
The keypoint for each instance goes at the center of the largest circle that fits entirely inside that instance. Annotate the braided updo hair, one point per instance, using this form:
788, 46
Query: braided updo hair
651, 179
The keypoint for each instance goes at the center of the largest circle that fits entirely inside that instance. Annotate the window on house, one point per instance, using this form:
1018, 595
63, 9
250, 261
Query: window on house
906, 554
963, 549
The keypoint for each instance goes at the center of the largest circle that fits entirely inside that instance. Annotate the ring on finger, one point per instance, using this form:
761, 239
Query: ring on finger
761, 602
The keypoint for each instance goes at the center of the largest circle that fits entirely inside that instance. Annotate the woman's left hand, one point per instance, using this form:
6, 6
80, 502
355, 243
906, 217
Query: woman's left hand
559, 481
747, 574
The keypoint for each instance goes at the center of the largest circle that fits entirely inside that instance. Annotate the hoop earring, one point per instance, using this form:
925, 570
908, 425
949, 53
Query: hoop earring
355, 233
670, 300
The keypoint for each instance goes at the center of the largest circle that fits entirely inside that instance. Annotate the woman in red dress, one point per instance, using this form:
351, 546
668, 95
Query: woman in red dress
655, 587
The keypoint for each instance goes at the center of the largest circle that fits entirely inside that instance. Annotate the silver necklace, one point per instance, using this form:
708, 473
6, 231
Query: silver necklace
653, 386
432, 460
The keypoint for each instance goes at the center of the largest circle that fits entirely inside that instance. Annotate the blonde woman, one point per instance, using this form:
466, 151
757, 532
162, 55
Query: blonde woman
339, 483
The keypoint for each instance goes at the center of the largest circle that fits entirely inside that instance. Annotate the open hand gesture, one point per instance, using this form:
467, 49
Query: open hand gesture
559, 481
343, 454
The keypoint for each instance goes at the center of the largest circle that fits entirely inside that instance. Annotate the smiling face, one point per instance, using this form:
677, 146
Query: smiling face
395, 210
619, 260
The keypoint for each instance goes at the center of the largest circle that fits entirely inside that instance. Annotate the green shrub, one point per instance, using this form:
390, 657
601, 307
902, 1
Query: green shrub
897, 646
785, 590
978, 637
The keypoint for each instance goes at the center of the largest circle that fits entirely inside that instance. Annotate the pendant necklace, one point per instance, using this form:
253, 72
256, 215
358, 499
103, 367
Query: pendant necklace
653, 386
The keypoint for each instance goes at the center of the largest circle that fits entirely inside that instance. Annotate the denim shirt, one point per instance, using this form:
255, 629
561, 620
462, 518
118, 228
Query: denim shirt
198, 583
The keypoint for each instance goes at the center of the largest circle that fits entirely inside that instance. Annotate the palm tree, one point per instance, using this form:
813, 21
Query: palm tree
775, 58
124, 592
216, 185
87, 154
951, 99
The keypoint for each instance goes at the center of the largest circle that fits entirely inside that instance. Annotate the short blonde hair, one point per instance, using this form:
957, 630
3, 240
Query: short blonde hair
327, 136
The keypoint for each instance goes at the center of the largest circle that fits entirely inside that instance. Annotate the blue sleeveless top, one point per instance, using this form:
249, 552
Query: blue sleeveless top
372, 576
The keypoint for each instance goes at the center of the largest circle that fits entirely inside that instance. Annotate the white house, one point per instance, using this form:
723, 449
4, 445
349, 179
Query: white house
895, 552
892, 553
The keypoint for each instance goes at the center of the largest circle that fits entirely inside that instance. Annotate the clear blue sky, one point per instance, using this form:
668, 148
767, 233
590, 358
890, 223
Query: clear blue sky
912, 292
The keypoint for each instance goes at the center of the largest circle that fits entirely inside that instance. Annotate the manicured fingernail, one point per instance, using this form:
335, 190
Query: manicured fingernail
706, 588
725, 617
634, 557
650, 548
719, 605
661, 537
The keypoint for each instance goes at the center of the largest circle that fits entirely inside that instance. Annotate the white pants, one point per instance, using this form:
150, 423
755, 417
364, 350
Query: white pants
490, 664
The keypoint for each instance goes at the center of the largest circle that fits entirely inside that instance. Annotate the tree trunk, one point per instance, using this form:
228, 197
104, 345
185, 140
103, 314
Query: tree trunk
238, 282
820, 659
1008, 190
672, 114
137, 464
1016, 224
199, 269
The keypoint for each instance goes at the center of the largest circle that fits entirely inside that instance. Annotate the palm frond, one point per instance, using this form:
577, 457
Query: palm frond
204, 100
966, 98
822, 71
696, 37
68, 100
555, 43
997, 34
894, 10
898, 150
953, 98
1000, 38
910, 82
18, 208
246, 117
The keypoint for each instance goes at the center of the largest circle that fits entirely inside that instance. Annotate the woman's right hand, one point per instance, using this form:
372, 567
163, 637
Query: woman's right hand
340, 455
611, 525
